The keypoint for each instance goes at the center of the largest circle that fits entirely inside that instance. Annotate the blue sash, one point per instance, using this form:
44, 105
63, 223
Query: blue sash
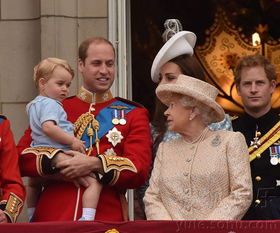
2, 119
105, 117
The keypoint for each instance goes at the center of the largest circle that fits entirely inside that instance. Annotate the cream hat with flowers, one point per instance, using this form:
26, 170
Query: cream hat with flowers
196, 89
181, 43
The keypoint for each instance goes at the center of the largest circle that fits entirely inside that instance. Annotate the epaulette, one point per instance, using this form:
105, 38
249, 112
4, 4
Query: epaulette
2, 117
130, 102
70, 97
232, 118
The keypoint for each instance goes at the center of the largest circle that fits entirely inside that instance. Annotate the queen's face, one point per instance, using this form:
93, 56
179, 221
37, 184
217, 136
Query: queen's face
169, 72
177, 115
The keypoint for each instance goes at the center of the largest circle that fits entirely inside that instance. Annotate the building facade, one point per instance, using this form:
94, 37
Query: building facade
32, 30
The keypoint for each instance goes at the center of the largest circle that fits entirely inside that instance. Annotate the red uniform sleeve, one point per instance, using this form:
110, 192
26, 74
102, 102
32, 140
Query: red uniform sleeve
11, 182
137, 148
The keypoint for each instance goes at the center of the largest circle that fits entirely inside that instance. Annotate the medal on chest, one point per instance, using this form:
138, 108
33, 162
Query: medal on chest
256, 141
274, 152
115, 119
119, 117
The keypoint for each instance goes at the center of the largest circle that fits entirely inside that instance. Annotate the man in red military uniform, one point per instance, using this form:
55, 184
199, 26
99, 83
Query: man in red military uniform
12, 192
117, 136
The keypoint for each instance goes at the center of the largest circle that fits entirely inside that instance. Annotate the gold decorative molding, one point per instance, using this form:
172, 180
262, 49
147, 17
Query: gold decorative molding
224, 45
272, 53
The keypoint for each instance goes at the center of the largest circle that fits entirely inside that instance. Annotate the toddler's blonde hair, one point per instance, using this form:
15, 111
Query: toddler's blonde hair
45, 68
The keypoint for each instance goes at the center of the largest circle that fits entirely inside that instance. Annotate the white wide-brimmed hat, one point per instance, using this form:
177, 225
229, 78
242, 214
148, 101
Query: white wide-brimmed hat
196, 89
181, 43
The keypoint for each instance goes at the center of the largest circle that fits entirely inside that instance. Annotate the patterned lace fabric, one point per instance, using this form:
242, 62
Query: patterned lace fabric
207, 180
168, 136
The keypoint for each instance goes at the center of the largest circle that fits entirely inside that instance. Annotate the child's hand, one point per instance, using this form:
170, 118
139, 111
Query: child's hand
78, 145
3, 217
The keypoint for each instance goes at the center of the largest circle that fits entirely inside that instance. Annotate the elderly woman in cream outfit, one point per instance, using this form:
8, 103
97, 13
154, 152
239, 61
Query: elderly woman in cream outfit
205, 174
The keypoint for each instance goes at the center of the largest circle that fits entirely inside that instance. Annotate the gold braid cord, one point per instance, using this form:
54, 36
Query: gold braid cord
81, 124
266, 141
95, 126
87, 120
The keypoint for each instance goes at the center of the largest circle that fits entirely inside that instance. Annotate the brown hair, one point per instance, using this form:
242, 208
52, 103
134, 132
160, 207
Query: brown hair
253, 61
188, 65
83, 48
45, 68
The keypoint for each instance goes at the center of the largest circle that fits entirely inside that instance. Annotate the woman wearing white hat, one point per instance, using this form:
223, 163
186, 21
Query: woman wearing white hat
174, 58
205, 174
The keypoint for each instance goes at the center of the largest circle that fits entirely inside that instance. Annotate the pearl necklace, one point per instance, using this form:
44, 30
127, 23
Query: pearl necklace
199, 138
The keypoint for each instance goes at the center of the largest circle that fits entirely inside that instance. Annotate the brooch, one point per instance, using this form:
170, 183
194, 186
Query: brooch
216, 141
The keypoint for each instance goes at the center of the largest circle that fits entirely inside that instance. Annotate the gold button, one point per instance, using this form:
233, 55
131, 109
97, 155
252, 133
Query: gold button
258, 178
257, 201
258, 156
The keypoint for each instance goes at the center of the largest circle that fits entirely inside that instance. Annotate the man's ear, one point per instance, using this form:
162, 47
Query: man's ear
272, 86
80, 65
238, 89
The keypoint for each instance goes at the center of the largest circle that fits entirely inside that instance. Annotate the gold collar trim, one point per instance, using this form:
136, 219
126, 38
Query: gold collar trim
94, 98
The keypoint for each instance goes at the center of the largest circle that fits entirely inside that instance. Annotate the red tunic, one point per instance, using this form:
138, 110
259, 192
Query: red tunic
12, 188
60, 199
